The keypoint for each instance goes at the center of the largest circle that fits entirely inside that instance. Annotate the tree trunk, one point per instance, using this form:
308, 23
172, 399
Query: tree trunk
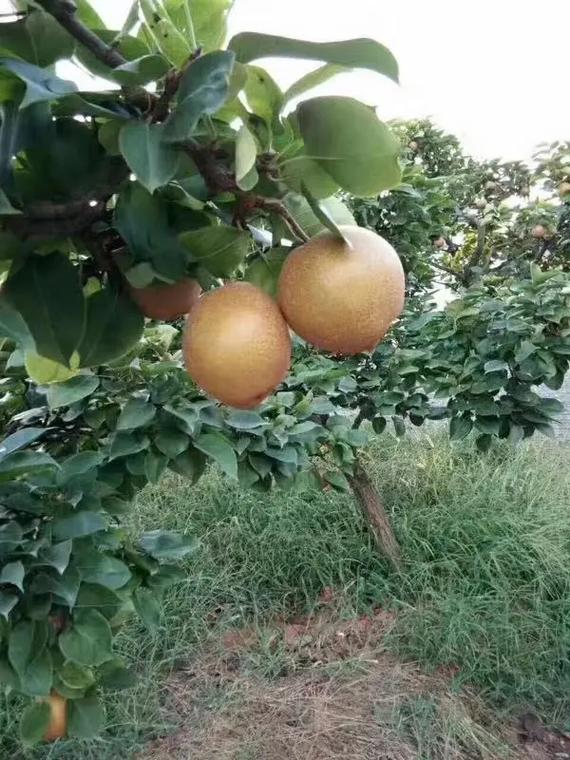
375, 515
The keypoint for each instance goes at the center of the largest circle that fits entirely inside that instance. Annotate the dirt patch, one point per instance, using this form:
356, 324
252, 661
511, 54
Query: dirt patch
320, 688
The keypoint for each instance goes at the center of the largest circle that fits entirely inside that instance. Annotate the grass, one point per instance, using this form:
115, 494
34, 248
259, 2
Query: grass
484, 594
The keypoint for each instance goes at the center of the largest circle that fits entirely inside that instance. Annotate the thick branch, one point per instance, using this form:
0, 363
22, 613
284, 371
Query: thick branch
64, 11
375, 515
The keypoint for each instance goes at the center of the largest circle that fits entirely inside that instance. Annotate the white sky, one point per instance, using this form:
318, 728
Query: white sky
494, 72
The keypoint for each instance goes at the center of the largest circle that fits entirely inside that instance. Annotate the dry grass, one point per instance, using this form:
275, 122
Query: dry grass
343, 698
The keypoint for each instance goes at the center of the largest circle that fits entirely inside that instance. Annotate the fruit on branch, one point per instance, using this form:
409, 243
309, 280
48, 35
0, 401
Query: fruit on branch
480, 203
538, 231
237, 345
439, 242
57, 727
167, 302
342, 295
564, 189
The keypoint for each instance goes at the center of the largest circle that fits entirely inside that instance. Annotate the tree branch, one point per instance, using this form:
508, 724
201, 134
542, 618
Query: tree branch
64, 11
275, 206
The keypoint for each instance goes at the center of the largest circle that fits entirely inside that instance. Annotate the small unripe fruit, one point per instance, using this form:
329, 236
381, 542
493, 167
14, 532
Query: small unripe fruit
480, 203
538, 231
167, 302
439, 242
236, 345
413, 146
57, 727
342, 296
490, 186
564, 189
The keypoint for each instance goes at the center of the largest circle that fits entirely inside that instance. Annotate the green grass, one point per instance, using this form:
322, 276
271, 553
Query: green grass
485, 586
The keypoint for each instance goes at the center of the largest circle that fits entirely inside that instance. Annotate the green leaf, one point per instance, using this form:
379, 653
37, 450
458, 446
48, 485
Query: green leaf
220, 249
167, 545
358, 53
55, 322
349, 142
265, 271
140, 71
76, 676
102, 569
171, 443
77, 465
148, 608
21, 462
144, 221
6, 208
114, 325
136, 413
86, 717
301, 170
163, 33
337, 480
89, 640
218, 448
203, 89
28, 656
190, 464
459, 427
246, 155
154, 466
13, 573
484, 442
105, 601
245, 420
114, 676
312, 79
12, 324
87, 14
153, 163
37, 38
56, 555
79, 524
72, 391
65, 587
264, 97
322, 215
399, 426
333, 207
208, 19
45, 371
34, 723
20, 440
125, 444
7, 604
495, 365
40, 83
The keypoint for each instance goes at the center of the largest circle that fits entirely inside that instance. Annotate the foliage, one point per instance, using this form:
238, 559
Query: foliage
96, 405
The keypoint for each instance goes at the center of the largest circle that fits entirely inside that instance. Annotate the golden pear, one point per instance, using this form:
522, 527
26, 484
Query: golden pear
167, 302
237, 345
342, 296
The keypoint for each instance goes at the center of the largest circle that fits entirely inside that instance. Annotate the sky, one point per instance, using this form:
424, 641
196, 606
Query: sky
494, 72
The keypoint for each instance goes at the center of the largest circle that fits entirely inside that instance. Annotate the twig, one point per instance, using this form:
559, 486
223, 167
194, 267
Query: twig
64, 11
275, 206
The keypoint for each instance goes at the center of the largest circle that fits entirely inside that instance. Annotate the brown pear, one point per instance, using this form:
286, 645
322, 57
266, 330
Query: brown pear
167, 302
236, 345
342, 296
57, 727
